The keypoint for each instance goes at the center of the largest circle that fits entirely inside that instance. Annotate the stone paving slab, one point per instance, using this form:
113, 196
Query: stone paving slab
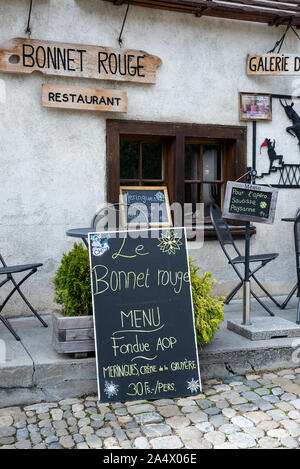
265, 328
83, 423
18, 366
35, 372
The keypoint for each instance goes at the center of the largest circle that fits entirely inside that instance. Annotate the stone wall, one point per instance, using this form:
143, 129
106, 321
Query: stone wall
53, 162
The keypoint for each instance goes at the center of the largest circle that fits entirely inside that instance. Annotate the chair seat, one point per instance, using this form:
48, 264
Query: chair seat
256, 258
14, 269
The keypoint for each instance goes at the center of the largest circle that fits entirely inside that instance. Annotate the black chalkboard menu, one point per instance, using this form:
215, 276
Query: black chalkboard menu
143, 315
249, 202
153, 201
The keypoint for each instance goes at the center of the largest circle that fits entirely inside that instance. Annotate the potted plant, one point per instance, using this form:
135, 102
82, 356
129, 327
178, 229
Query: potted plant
208, 309
73, 327
73, 330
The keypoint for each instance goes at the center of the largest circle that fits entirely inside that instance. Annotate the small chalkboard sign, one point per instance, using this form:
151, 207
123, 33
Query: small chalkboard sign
143, 315
249, 202
145, 201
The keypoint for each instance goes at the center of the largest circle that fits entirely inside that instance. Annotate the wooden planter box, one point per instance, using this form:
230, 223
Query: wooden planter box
73, 334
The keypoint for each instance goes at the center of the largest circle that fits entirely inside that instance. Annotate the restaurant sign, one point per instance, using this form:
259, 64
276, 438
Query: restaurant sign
143, 315
273, 64
249, 202
23, 55
86, 99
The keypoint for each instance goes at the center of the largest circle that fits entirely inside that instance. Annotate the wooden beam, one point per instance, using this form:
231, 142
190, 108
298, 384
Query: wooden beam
202, 11
273, 5
271, 12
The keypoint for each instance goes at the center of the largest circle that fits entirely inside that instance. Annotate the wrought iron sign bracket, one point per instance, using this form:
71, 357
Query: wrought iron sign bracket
289, 173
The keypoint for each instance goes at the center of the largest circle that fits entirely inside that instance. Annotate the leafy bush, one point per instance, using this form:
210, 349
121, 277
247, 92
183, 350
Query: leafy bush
208, 310
72, 283
72, 286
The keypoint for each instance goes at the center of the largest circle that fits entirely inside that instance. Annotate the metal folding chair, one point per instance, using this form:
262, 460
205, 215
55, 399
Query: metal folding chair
113, 213
16, 269
297, 249
225, 239
295, 288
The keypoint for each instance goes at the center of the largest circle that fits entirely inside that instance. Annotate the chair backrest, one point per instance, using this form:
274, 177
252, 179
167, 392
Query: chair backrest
222, 230
297, 248
2, 261
112, 212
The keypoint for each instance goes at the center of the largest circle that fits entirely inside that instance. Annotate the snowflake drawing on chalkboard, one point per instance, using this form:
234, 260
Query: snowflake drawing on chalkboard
160, 196
193, 385
111, 389
169, 243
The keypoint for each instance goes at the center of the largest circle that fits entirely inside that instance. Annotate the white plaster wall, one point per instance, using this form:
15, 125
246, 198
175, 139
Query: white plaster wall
53, 161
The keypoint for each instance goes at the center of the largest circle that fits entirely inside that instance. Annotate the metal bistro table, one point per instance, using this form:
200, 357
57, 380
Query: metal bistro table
291, 294
82, 233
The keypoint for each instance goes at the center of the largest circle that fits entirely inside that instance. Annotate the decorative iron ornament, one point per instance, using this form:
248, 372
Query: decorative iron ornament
294, 129
288, 174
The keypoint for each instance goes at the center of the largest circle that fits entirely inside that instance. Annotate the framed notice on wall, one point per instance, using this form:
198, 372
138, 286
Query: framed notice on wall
142, 203
143, 315
255, 106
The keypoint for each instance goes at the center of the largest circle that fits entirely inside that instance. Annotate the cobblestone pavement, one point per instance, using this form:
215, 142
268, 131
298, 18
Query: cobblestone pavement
254, 411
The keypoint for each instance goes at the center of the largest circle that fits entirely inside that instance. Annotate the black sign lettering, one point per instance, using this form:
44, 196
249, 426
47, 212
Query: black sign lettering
28, 51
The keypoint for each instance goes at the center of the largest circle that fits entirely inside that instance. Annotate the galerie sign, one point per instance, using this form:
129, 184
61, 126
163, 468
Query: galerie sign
23, 55
143, 315
89, 99
249, 202
273, 64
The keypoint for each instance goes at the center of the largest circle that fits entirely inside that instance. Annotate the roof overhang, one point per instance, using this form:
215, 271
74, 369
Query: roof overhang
272, 12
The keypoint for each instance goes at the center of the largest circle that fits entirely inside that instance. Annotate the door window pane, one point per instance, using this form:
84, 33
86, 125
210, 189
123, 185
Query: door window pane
203, 163
211, 163
193, 193
152, 160
211, 193
129, 160
192, 162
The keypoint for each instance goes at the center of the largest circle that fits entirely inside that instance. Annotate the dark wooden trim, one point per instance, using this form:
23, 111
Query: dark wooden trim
237, 233
205, 131
112, 164
269, 11
233, 138
178, 193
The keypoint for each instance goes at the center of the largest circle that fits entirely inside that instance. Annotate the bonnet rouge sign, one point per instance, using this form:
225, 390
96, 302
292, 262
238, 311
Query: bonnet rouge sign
23, 55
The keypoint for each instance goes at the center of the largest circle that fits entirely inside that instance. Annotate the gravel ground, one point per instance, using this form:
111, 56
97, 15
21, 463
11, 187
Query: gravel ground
255, 411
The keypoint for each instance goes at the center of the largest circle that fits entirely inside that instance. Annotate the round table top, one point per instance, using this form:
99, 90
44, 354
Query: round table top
289, 219
80, 232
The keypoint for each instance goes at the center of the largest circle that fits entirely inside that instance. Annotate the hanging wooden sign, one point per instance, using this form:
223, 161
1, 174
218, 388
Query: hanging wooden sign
273, 64
88, 99
23, 55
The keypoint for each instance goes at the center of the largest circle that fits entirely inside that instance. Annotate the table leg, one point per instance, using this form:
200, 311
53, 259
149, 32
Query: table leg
285, 303
85, 242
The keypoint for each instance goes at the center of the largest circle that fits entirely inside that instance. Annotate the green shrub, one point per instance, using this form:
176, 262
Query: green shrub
72, 283
72, 287
208, 310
